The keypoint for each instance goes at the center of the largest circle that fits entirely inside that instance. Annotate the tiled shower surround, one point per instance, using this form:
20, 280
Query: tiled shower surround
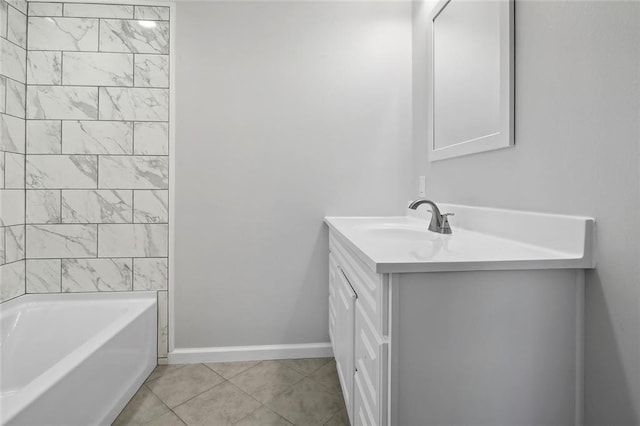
13, 59
96, 174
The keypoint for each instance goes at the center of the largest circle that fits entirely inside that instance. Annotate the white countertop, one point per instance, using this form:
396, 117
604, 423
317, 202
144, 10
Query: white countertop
522, 240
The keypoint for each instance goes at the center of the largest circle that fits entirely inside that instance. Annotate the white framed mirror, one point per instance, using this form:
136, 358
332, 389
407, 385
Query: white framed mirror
472, 75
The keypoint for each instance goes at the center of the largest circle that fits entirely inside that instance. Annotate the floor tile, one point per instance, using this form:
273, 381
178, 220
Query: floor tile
327, 376
225, 404
339, 419
177, 386
306, 403
230, 369
266, 379
167, 419
161, 370
143, 407
305, 366
263, 417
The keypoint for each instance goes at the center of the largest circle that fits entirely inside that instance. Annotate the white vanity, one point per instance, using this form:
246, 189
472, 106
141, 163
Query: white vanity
481, 327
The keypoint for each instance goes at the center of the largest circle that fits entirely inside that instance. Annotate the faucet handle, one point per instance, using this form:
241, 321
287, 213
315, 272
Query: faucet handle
446, 228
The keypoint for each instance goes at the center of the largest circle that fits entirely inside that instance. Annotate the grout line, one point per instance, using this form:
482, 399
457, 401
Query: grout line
12, 115
194, 396
93, 85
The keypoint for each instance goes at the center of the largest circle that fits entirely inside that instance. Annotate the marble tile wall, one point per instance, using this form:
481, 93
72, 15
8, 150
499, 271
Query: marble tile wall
13, 60
97, 150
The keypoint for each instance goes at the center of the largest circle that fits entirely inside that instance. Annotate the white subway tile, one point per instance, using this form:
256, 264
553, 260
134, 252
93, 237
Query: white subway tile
3, 18
14, 243
43, 137
150, 273
11, 207
163, 323
15, 95
59, 241
62, 103
97, 69
61, 171
14, 171
44, 67
151, 138
75, 34
43, 206
140, 172
45, 9
21, 5
3, 89
17, 27
12, 280
97, 137
96, 206
96, 275
137, 240
12, 134
152, 71
44, 275
151, 206
1, 169
134, 36
134, 104
153, 13
2, 250
98, 10
13, 61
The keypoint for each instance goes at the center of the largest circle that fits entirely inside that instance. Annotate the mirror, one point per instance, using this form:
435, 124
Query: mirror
471, 77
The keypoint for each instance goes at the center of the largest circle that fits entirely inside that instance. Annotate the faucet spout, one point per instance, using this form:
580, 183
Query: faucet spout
439, 222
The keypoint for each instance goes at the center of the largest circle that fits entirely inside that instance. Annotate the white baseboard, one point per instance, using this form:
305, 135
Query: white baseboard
249, 353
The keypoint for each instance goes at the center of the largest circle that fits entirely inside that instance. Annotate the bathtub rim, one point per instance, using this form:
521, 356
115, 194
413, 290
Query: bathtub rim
56, 372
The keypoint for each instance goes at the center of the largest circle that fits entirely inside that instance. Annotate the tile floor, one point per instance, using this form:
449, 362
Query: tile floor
257, 393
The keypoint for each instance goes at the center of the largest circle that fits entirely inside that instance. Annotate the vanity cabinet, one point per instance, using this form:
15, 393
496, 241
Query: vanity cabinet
342, 306
361, 335
494, 347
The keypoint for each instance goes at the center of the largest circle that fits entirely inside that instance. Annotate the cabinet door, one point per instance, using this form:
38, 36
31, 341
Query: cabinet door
371, 371
343, 344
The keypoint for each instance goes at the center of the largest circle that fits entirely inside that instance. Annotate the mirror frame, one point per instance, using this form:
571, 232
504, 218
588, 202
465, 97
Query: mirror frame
505, 137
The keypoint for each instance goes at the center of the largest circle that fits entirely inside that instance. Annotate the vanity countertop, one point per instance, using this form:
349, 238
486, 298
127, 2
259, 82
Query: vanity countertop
483, 239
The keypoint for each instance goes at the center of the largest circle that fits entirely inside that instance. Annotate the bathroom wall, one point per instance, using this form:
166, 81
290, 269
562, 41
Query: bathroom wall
97, 144
13, 43
286, 112
577, 152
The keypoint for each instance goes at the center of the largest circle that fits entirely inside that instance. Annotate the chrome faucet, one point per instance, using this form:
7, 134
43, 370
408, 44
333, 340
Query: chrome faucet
439, 222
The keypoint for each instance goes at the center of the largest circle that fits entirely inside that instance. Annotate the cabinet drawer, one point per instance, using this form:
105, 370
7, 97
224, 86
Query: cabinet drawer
332, 319
371, 365
333, 270
371, 288
363, 415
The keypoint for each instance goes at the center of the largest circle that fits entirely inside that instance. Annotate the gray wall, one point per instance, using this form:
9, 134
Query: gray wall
286, 112
577, 108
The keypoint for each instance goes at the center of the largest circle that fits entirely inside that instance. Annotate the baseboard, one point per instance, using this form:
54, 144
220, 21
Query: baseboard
249, 353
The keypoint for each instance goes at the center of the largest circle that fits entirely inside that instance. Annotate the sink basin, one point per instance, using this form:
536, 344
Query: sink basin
398, 231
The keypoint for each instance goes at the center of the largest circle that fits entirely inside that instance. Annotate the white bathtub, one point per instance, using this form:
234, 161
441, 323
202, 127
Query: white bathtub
74, 359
